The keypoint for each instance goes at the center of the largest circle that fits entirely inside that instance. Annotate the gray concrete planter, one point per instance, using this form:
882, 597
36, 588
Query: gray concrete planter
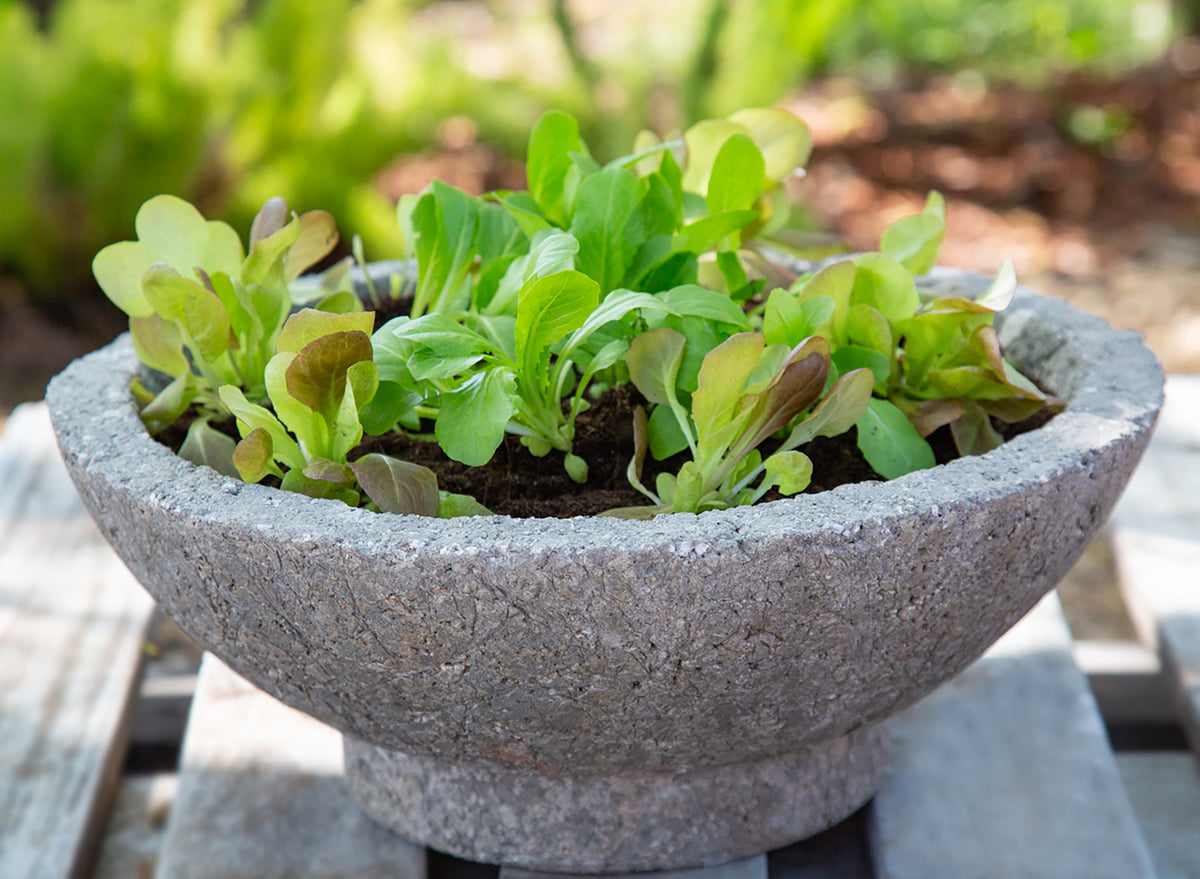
596, 695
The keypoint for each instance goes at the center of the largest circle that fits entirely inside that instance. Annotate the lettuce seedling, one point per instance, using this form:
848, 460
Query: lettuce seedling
523, 297
320, 377
460, 243
203, 311
481, 376
705, 318
641, 222
529, 381
935, 359
644, 220
954, 373
747, 392
318, 383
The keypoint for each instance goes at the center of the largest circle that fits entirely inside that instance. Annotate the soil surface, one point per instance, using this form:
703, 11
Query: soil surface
516, 483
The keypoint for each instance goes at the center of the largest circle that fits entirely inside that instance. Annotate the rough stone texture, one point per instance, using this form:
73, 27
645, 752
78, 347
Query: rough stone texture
626, 822
601, 646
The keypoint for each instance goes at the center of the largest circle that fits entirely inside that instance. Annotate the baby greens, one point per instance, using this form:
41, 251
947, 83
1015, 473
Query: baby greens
202, 310
318, 384
935, 358
214, 319
746, 392
647, 270
513, 376
525, 297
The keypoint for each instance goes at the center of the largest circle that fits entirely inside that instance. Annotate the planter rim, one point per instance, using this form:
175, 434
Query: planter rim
1119, 393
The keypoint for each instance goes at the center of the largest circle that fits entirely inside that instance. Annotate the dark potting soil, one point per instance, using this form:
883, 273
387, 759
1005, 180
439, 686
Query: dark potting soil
515, 483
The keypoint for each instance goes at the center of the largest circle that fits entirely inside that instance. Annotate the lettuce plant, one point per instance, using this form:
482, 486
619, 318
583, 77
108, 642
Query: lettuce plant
480, 385
747, 392
524, 297
318, 383
935, 359
215, 319
483, 376
648, 220
644, 221
201, 309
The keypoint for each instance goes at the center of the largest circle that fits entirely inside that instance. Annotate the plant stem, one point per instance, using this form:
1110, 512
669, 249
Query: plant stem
584, 68
704, 66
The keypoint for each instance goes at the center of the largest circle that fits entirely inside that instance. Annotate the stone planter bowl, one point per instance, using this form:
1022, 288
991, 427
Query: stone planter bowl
599, 695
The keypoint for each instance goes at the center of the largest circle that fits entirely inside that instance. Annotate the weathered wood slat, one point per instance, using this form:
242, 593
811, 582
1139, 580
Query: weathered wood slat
1165, 790
749, 868
71, 625
135, 829
838, 853
159, 722
1006, 771
261, 796
1156, 538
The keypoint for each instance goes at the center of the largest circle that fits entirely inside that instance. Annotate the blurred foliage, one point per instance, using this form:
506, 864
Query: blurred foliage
755, 48
1026, 41
228, 102
222, 102
752, 48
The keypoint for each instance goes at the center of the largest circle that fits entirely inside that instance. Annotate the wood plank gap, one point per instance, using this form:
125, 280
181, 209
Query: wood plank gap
747, 868
1127, 680
841, 852
1156, 539
160, 719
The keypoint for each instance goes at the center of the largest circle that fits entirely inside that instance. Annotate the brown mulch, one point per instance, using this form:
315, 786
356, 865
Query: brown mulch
35, 344
1006, 149
1113, 227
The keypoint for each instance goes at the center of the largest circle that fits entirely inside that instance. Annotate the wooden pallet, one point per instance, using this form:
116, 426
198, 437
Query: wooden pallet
1005, 772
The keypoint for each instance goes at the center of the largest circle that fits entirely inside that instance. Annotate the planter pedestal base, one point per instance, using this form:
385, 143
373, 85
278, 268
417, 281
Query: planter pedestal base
619, 823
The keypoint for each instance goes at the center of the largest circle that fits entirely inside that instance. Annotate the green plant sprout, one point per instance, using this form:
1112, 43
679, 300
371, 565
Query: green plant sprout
746, 392
491, 342
528, 305
202, 310
935, 358
319, 381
